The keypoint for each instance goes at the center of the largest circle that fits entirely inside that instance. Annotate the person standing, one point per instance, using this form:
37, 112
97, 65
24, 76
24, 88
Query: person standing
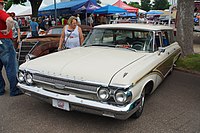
7, 53
34, 27
78, 19
71, 35
42, 24
90, 20
19, 22
15, 31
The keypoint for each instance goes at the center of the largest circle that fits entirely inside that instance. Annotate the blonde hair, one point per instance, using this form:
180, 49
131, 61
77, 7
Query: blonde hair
71, 19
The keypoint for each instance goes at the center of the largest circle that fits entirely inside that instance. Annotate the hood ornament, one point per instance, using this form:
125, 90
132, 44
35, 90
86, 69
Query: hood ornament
125, 75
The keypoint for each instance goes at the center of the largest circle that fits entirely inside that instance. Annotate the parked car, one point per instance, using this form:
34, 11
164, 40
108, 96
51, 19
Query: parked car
44, 44
165, 19
110, 75
152, 18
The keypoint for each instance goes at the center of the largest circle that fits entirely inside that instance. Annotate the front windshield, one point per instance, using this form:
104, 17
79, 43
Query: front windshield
55, 31
121, 38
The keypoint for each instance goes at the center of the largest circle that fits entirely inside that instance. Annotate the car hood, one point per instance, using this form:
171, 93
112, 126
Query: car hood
89, 64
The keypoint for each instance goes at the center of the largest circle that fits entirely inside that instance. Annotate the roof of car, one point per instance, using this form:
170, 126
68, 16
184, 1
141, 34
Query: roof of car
148, 27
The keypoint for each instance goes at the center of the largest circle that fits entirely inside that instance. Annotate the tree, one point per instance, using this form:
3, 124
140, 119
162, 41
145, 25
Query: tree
160, 4
8, 5
99, 1
10, 2
35, 4
185, 26
125, 2
134, 4
146, 5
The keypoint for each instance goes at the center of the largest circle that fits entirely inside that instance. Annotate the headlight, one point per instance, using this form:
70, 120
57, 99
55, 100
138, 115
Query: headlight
20, 76
29, 79
103, 93
122, 97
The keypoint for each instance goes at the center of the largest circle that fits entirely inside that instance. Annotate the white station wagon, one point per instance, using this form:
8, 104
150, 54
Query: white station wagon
110, 75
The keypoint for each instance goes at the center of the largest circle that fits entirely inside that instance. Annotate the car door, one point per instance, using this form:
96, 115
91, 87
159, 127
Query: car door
164, 52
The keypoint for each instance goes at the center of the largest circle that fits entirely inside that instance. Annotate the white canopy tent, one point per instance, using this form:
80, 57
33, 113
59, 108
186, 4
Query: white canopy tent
20, 10
27, 12
17, 9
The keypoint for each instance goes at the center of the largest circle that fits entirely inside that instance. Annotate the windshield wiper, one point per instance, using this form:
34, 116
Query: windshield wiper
112, 45
132, 49
126, 47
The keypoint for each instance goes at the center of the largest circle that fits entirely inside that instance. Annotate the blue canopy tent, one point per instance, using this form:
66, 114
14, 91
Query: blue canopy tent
67, 7
63, 5
128, 14
109, 9
87, 7
154, 12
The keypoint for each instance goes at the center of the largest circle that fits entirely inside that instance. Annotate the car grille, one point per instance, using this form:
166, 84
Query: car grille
66, 87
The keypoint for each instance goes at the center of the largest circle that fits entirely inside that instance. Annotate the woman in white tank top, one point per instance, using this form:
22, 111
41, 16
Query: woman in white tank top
71, 35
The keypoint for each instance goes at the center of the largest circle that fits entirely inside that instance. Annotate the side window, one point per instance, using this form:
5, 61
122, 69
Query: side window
165, 38
171, 36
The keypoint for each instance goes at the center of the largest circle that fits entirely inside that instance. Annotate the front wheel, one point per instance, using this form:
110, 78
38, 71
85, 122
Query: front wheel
138, 113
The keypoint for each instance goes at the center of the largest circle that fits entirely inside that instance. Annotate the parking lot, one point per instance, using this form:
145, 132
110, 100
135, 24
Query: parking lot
173, 108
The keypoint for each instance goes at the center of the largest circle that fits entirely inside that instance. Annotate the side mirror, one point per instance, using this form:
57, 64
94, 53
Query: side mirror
161, 50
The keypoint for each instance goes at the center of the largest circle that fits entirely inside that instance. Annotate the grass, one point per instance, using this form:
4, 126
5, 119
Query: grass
190, 62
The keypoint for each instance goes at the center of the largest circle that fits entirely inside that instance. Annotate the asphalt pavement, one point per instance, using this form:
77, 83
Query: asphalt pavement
173, 108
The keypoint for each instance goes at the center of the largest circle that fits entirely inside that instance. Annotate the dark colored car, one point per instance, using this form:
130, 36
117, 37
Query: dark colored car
165, 19
44, 44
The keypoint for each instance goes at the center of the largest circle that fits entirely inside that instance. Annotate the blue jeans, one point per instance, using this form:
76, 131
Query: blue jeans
9, 61
34, 33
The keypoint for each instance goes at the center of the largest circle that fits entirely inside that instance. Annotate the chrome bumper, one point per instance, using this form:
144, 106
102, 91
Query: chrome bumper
83, 105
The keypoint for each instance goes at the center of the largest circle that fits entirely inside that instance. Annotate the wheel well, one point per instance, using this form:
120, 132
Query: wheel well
148, 87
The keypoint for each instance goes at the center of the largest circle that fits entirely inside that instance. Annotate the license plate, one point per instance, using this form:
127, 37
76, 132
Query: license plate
60, 104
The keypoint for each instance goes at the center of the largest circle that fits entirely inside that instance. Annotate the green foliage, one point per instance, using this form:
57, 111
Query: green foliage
19, 1
161, 4
146, 5
190, 62
134, 4
8, 5
125, 2
10, 2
